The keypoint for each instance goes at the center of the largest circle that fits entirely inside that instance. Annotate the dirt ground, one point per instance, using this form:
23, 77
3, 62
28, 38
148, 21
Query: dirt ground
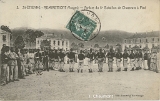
54, 85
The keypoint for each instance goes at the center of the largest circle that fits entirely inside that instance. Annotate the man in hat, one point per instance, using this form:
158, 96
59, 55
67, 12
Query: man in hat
125, 60
61, 60
81, 58
110, 56
118, 56
91, 57
71, 56
132, 60
100, 56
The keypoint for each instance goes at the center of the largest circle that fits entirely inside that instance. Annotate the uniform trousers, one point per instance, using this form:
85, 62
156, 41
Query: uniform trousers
61, 65
100, 63
90, 64
71, 64
81, 64
145, 64
110, 63
118, 62
125, 63
4, 73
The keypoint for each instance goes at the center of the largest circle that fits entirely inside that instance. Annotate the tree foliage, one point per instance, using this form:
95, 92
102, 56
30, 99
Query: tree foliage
19, 42
31, 35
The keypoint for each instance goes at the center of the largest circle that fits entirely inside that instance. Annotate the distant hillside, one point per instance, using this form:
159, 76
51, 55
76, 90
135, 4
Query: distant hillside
103, 38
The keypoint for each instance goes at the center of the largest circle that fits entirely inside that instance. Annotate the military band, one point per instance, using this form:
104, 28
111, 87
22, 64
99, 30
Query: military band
18, 64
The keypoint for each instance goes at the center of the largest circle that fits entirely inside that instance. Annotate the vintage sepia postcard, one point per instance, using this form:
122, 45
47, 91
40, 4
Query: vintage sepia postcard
79, 50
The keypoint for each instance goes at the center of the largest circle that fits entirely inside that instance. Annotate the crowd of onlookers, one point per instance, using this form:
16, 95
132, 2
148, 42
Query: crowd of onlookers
18, 63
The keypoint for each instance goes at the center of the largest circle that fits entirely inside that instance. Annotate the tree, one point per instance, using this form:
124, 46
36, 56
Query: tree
19, 42
81, 45
45, 44
31, 35
96, 46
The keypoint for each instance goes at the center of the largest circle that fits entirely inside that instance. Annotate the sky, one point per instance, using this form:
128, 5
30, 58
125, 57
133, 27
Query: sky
130, 20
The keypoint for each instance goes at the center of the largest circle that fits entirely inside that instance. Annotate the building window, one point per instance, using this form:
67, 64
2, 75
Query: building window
129, 46
152, 45
54, 42
158, 39
140, 46
140, 40
153, 39
62, 43
4, 38
58, 42
38, 42
125, 41
146, 40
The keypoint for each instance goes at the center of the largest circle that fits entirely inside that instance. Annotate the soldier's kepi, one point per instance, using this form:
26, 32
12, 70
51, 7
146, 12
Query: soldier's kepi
84, 25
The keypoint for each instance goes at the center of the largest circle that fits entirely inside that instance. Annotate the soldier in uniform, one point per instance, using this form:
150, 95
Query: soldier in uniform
38, 59
45, 60
22, 63
100, 56
125, 60
13, 65
145, 58
153, 60
118, 56
4, 59
56, 59
81, 58
132, 59
140, 56
136, 59
71, 56
51, 59
110, 56
91, 57
61, 61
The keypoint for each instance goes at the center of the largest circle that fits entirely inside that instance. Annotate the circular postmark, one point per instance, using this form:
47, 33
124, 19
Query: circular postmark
84, 25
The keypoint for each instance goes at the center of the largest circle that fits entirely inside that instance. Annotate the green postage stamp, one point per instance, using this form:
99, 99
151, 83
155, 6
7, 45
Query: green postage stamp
83, 26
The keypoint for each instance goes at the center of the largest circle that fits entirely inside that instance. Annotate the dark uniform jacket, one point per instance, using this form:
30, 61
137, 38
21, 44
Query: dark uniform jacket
44, 56
91, 56
125, 55
38, 57
118, 55
140, 55
132, 56
81, 56
145, 56
71, 56
4, 58
61, 56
